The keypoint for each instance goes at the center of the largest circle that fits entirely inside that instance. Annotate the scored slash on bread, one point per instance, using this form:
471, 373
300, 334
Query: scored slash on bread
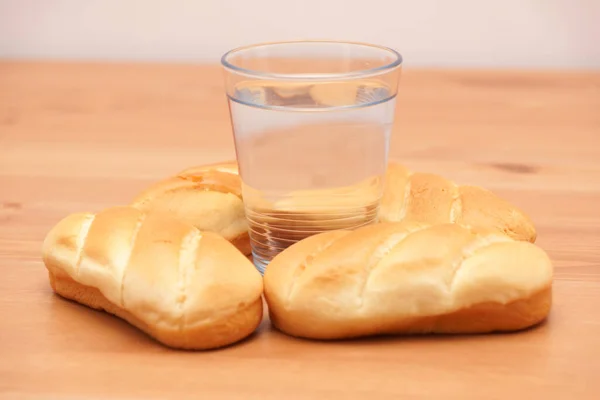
186, 288
407, 277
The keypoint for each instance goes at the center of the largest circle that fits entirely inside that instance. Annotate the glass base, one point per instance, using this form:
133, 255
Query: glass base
259, 262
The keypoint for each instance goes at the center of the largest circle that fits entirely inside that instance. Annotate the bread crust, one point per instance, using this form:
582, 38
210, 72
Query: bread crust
482, 318
224, 331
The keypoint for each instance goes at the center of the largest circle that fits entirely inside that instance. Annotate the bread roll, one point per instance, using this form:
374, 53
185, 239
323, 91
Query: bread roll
209, 197
406, 277
186, 288
433, 199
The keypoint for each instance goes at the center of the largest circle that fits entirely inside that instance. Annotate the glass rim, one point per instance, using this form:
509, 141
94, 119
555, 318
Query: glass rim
300, 76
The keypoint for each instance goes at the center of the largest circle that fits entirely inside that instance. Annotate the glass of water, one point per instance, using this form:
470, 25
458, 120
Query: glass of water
311, 123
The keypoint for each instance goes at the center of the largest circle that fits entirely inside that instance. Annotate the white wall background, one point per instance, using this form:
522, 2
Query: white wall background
442, 33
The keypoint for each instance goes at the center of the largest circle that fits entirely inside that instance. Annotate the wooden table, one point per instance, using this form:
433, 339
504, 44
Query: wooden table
79, 137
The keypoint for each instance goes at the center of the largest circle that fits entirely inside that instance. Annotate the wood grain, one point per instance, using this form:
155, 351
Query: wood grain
79, 137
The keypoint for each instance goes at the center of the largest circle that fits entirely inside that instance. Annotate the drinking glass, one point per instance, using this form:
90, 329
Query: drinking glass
311, 123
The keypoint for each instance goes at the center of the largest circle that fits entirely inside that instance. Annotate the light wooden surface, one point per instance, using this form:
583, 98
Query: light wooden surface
79, 137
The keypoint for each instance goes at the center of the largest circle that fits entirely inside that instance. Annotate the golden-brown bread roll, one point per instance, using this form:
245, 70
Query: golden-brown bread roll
186, 288
209, 197
433, 199
406, 277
